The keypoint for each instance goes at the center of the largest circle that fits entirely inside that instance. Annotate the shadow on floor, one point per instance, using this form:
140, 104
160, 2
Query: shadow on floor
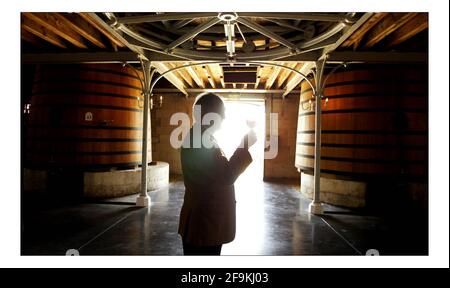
272, 219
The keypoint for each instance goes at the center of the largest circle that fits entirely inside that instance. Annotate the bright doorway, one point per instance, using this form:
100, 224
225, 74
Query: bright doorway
249, 188
235, 127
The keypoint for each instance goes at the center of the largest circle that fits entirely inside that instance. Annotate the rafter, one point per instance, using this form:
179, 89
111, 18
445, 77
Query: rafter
52, 23
217, 73
183, 74
258, 78
82, 27
42, 33
178, 83
273, 76
296, 78
222, 81
195, 76
284, 74
91, 21
389, 24
410, 29
209, 76
356, 37
31, 38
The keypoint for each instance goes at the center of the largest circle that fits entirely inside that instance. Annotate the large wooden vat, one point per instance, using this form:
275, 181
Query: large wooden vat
86, 116
374, 125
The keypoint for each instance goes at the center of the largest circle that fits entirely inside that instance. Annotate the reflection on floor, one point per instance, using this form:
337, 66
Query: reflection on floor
272, 220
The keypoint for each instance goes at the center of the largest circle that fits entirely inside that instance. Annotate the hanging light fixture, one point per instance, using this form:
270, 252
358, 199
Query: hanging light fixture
230, 20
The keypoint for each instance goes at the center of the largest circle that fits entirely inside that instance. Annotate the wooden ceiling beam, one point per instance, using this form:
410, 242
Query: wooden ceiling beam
108, 35
222, 81
42, 33
356, 38
217, 74
296, 78
178, 83
273, 76
388, 25
53, 24
410, 29
31, 38
183, 74
284, 74
195, 76
79, 25
209, 76
258, 77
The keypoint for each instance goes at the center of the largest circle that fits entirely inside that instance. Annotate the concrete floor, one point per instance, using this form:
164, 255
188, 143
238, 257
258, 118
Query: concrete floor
272, 220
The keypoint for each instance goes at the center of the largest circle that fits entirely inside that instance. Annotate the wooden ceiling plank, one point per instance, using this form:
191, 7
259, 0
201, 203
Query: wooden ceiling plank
222, 81
258, 77
31, 38
42, 33
82, 27
355, 38
186, 77
217, 74
296, 78
284, 75
195, 76
410, 29
388, 25
51, 23
273, 76
163, 67
88, 18
209, 76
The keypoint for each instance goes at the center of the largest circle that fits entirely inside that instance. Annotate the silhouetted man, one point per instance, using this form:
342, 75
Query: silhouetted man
208, 215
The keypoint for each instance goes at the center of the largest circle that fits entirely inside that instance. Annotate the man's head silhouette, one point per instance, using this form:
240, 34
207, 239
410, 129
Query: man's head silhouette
211, 106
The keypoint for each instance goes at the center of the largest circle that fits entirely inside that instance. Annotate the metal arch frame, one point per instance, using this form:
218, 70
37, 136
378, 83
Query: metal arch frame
143, 200
119, 23
234, 62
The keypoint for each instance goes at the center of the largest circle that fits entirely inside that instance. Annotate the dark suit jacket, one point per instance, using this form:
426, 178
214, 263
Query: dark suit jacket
208, 215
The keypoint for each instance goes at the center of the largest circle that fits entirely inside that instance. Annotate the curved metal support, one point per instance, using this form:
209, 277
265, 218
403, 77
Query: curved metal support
136, 73
331, 72
194, 32
266, 32
143, 199
164, 17
237, 62
273, 54
140, 80
322, 37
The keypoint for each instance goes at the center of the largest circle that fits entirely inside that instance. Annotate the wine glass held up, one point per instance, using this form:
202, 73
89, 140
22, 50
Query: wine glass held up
250, 138
251, 124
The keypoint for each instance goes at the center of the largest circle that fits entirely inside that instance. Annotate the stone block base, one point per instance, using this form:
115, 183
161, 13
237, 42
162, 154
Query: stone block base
124, 182
334, 191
